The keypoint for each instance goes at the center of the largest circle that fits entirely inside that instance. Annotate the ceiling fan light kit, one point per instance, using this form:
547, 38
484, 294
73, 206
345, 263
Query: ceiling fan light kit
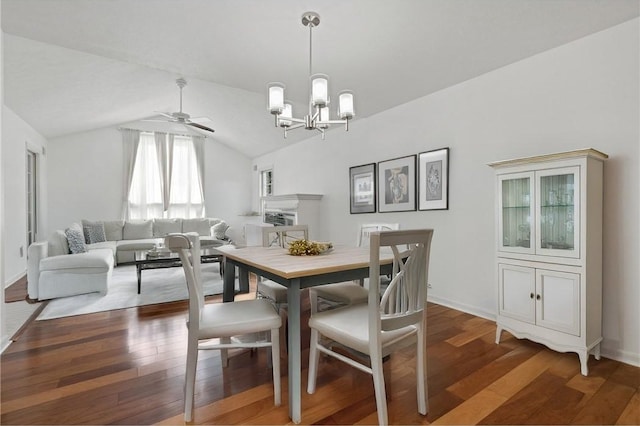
318, 117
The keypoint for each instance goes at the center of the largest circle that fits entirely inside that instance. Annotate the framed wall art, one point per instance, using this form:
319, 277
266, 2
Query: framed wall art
362, 184
433, 180
397, 185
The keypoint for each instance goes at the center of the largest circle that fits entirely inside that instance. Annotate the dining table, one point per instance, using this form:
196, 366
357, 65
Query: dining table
342, 263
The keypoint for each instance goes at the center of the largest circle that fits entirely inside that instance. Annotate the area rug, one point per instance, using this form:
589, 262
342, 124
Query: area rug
158, 286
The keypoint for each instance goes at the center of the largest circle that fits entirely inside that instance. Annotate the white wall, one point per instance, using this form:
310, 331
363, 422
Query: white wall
583, 94
85, 179
3, 320
17, 136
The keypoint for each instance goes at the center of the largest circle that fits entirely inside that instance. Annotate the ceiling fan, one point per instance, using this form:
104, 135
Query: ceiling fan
182, 117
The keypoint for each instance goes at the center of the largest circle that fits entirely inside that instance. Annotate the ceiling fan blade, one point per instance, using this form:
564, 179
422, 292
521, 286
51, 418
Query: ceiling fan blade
154, 120
200, 119
199, 126
166, 114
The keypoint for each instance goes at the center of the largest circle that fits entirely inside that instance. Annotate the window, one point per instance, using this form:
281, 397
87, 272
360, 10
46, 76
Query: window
266, 182
145, 197
185, 195
32, 198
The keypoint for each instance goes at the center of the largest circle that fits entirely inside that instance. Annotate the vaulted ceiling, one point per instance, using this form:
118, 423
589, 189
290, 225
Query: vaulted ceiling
76, 65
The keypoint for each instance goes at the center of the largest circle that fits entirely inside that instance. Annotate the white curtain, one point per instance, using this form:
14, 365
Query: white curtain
164, 150
130, 142
186, 196
145, 194
198, 146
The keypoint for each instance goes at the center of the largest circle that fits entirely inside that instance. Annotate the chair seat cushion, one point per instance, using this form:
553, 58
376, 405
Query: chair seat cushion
348, 293
237, 318
272, 290
349, 326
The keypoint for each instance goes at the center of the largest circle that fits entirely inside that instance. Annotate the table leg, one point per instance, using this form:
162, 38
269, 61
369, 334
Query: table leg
295, 366
228, 283
139, 273
243, 280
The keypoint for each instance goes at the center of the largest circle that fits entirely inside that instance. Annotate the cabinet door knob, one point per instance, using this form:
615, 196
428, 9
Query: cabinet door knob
531, 295
538, 297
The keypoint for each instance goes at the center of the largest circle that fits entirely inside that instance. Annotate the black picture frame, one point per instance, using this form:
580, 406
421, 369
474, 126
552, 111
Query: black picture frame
362, 188
433, 180
397, 184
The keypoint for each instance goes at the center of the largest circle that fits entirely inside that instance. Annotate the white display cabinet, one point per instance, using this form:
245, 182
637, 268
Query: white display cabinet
549, 250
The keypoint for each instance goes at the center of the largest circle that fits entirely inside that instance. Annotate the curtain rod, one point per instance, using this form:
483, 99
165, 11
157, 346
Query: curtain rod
155, 131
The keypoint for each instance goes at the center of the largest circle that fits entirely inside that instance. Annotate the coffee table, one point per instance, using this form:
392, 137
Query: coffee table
146, 260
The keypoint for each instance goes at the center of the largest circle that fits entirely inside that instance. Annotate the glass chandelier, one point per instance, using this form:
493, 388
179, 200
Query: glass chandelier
318, 116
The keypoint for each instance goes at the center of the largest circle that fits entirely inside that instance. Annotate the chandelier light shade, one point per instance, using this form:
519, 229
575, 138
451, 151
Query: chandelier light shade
318, 117
276, 98
345, 105
286, 115
319, 90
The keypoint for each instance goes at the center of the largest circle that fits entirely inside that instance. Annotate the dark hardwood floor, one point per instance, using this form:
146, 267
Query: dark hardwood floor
17, 291
127, 367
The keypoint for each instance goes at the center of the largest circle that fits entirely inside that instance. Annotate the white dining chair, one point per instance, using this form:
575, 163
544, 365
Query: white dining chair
393, 320
348, 292
367, 228
278, 236
212, 326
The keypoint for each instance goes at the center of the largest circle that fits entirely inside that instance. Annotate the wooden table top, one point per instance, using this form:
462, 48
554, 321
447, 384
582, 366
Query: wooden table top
279, 262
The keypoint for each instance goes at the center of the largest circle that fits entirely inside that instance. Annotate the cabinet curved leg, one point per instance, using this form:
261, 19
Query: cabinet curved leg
584, 358
596, 351
498, 334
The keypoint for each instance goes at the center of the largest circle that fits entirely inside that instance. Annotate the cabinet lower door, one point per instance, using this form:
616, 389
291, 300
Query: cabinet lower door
517, 287
558, 304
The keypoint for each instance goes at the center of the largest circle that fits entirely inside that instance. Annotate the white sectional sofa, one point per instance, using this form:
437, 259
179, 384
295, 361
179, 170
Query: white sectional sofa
64, 266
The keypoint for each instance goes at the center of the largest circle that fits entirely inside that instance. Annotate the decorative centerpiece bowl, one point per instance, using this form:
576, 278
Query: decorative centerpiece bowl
309, 248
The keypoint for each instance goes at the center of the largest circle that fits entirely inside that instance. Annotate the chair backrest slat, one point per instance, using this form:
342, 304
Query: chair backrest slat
402, 302
367, 228
282, 236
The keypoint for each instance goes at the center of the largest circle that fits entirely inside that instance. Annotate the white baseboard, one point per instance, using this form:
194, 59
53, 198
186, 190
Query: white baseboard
623, 356
5, 344
473, 310
620, 355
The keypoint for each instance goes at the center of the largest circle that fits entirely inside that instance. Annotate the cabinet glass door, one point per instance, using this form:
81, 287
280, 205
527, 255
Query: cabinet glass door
515, 212
557, 219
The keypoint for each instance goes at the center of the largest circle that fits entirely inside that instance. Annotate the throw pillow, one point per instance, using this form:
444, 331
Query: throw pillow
93, 232
137, 229
58, 243
219, 230
201, 226
75, 238
164, 227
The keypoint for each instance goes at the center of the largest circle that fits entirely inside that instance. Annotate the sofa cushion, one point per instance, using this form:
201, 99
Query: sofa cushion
93, 231
201, 226
75, 238
113, 229
58, 244
219, 230
164, 227
139, 244
111, 245
81, 263
137, 229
